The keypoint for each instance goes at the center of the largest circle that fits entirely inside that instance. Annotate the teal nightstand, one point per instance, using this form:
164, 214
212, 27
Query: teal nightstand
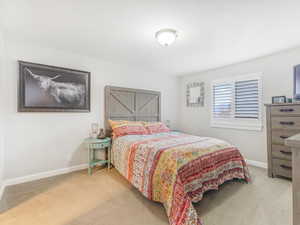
94, 145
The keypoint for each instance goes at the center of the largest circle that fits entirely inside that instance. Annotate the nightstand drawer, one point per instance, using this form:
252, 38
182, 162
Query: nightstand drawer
99, 145
285, 122
282, 168
281, 152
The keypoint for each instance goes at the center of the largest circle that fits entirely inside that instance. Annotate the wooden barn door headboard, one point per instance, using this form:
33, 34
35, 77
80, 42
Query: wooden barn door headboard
131, 104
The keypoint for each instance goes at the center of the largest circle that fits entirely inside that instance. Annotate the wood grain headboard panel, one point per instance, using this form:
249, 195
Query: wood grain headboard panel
131, 104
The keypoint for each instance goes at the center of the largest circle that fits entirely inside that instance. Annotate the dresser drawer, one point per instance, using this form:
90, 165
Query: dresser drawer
285, 122
281, 152
278, 136
285, 110
282, 168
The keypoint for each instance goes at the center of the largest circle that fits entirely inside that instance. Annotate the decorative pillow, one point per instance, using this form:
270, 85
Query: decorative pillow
122, 128
156, 127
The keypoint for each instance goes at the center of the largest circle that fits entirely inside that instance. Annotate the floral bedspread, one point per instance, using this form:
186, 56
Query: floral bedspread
176, 169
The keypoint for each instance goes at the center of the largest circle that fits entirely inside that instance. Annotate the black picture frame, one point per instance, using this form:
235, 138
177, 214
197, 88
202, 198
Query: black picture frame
45, 88
278, 99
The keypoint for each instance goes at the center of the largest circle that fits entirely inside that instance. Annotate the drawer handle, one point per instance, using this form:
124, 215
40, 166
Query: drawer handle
283, 137
285, 153
286, 167
287, 123
286, 110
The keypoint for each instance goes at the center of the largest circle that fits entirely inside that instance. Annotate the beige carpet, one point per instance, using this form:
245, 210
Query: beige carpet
108, 199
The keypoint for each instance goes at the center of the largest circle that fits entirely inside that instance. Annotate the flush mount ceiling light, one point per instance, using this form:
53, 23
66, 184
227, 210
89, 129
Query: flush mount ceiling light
166, 37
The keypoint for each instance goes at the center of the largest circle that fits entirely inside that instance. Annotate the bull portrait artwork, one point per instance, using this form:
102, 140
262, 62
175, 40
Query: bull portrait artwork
44, 88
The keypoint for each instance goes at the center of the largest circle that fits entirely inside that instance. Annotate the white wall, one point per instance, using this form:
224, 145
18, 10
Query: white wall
2, 50
277, 80
38, 142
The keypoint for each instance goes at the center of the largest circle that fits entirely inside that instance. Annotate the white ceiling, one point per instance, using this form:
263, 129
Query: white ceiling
212, 33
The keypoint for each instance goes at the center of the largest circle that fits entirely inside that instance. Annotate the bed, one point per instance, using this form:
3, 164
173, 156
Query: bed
173, 168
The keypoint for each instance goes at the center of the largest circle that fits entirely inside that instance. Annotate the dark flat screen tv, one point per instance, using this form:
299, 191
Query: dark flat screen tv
297, 82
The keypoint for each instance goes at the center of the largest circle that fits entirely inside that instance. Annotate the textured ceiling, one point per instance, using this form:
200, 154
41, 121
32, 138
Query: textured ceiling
212, 33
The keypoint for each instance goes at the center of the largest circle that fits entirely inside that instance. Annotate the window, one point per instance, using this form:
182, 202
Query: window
236, 103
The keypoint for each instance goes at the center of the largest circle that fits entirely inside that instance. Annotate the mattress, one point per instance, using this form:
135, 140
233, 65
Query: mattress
176, 169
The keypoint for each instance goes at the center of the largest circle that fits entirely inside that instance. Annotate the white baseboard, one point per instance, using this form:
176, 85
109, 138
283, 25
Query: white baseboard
38, 176
257, 164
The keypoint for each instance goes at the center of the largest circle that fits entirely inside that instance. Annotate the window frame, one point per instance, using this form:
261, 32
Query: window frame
239, 123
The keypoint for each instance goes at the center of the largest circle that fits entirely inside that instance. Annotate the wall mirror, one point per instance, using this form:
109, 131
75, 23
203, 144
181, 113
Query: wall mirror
195, 94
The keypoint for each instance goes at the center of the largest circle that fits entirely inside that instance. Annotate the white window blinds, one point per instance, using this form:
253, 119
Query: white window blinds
222, 102
237, 101
247, 99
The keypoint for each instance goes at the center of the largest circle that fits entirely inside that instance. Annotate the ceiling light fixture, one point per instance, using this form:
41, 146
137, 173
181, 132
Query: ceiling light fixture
166, 37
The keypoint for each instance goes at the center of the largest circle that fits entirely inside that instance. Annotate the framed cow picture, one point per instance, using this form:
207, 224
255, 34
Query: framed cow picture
44, 88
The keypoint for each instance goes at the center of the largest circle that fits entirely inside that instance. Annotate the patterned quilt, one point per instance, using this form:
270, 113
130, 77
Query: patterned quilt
176, 169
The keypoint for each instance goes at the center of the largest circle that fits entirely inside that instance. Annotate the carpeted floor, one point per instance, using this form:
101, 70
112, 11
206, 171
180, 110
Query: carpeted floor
106, 198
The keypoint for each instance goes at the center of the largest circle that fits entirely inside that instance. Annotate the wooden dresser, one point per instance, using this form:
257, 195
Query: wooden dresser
294, 143
283, 121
